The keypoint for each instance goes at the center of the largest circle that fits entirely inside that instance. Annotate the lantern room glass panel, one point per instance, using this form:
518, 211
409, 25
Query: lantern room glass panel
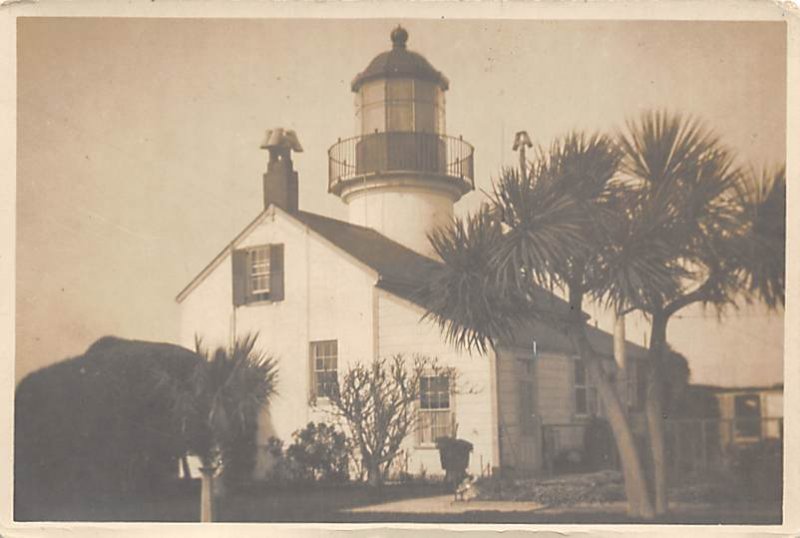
373, 107
400, 105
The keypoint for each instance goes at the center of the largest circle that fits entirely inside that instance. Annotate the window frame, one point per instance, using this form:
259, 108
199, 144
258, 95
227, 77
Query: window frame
261, 294
747, 427
426, 425
273, 272
313, 346
588, 388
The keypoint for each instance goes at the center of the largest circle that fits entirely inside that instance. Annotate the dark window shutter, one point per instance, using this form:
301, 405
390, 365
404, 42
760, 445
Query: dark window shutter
276, 272
239, 260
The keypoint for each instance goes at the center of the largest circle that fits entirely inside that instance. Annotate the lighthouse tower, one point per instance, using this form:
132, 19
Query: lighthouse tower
401, 174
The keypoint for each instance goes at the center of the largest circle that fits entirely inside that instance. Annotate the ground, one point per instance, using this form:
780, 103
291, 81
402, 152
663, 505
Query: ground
423, 503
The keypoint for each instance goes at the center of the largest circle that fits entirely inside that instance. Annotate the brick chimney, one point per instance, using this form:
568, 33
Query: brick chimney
280, 180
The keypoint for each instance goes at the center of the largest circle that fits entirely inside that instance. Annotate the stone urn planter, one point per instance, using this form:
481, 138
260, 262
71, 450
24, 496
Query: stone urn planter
454, 457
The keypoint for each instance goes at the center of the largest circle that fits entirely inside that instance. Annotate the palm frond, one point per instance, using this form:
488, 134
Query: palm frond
230, 388
463, 295
679, 191
760, 250
543, 226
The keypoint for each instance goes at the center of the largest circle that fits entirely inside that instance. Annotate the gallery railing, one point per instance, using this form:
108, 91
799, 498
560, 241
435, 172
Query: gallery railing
369, 155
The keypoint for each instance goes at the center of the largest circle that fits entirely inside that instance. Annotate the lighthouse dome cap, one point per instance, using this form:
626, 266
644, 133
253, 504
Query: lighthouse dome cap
399, 63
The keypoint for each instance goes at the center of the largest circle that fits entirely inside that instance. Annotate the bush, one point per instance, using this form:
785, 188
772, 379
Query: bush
98, 425
319, 452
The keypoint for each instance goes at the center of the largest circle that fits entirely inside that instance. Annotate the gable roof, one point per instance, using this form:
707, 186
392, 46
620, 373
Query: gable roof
399, 268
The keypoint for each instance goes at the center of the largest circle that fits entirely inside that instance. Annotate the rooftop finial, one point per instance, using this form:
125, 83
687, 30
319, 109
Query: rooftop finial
399, 37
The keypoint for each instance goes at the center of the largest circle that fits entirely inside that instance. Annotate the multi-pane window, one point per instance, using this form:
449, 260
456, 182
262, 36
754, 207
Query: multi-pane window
258, 274
435, 416
585, 394
259, 262
324, 359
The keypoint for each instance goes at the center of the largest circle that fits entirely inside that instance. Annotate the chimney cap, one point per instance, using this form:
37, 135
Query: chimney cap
281, 138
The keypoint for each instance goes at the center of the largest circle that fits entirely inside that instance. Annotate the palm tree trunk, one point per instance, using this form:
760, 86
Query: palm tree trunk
654, 413
207, 494
636, 492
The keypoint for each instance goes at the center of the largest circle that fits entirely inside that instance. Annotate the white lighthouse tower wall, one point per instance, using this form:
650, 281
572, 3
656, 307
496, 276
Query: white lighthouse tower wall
403, 213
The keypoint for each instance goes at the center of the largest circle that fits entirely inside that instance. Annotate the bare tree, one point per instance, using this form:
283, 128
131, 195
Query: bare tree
378, 401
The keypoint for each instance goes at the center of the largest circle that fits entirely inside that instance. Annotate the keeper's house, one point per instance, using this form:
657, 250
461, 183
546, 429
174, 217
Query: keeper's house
323, 293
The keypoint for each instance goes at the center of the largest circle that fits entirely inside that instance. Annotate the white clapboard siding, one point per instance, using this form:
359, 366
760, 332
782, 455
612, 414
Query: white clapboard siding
402, 332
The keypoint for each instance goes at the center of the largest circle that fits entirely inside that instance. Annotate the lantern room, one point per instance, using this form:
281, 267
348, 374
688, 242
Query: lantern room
400, 92
401, 174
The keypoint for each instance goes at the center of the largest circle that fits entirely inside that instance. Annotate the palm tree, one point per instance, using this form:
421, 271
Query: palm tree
547, 228
219, 406
684, 201
762, 252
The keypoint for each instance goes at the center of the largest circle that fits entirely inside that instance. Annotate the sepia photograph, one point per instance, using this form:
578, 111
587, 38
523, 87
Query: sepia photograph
400, 270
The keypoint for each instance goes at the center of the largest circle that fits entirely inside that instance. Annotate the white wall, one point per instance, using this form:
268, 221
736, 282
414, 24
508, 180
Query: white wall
401, 331
326, 297
329, 296
403, 214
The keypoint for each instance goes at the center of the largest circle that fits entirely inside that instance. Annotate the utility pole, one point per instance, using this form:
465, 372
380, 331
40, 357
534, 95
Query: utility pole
522, 141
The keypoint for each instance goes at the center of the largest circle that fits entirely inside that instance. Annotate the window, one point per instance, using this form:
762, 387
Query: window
324, 359
747, 408
435, 417
259, 261
257, 274
585, 394
527, 410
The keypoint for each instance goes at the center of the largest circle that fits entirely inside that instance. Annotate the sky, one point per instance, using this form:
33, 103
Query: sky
138, 145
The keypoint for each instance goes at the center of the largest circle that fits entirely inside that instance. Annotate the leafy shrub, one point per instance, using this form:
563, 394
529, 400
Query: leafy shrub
98, 425
319, 452
282, 470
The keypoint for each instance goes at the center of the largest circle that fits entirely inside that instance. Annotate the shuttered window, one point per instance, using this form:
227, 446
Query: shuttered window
258, 274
